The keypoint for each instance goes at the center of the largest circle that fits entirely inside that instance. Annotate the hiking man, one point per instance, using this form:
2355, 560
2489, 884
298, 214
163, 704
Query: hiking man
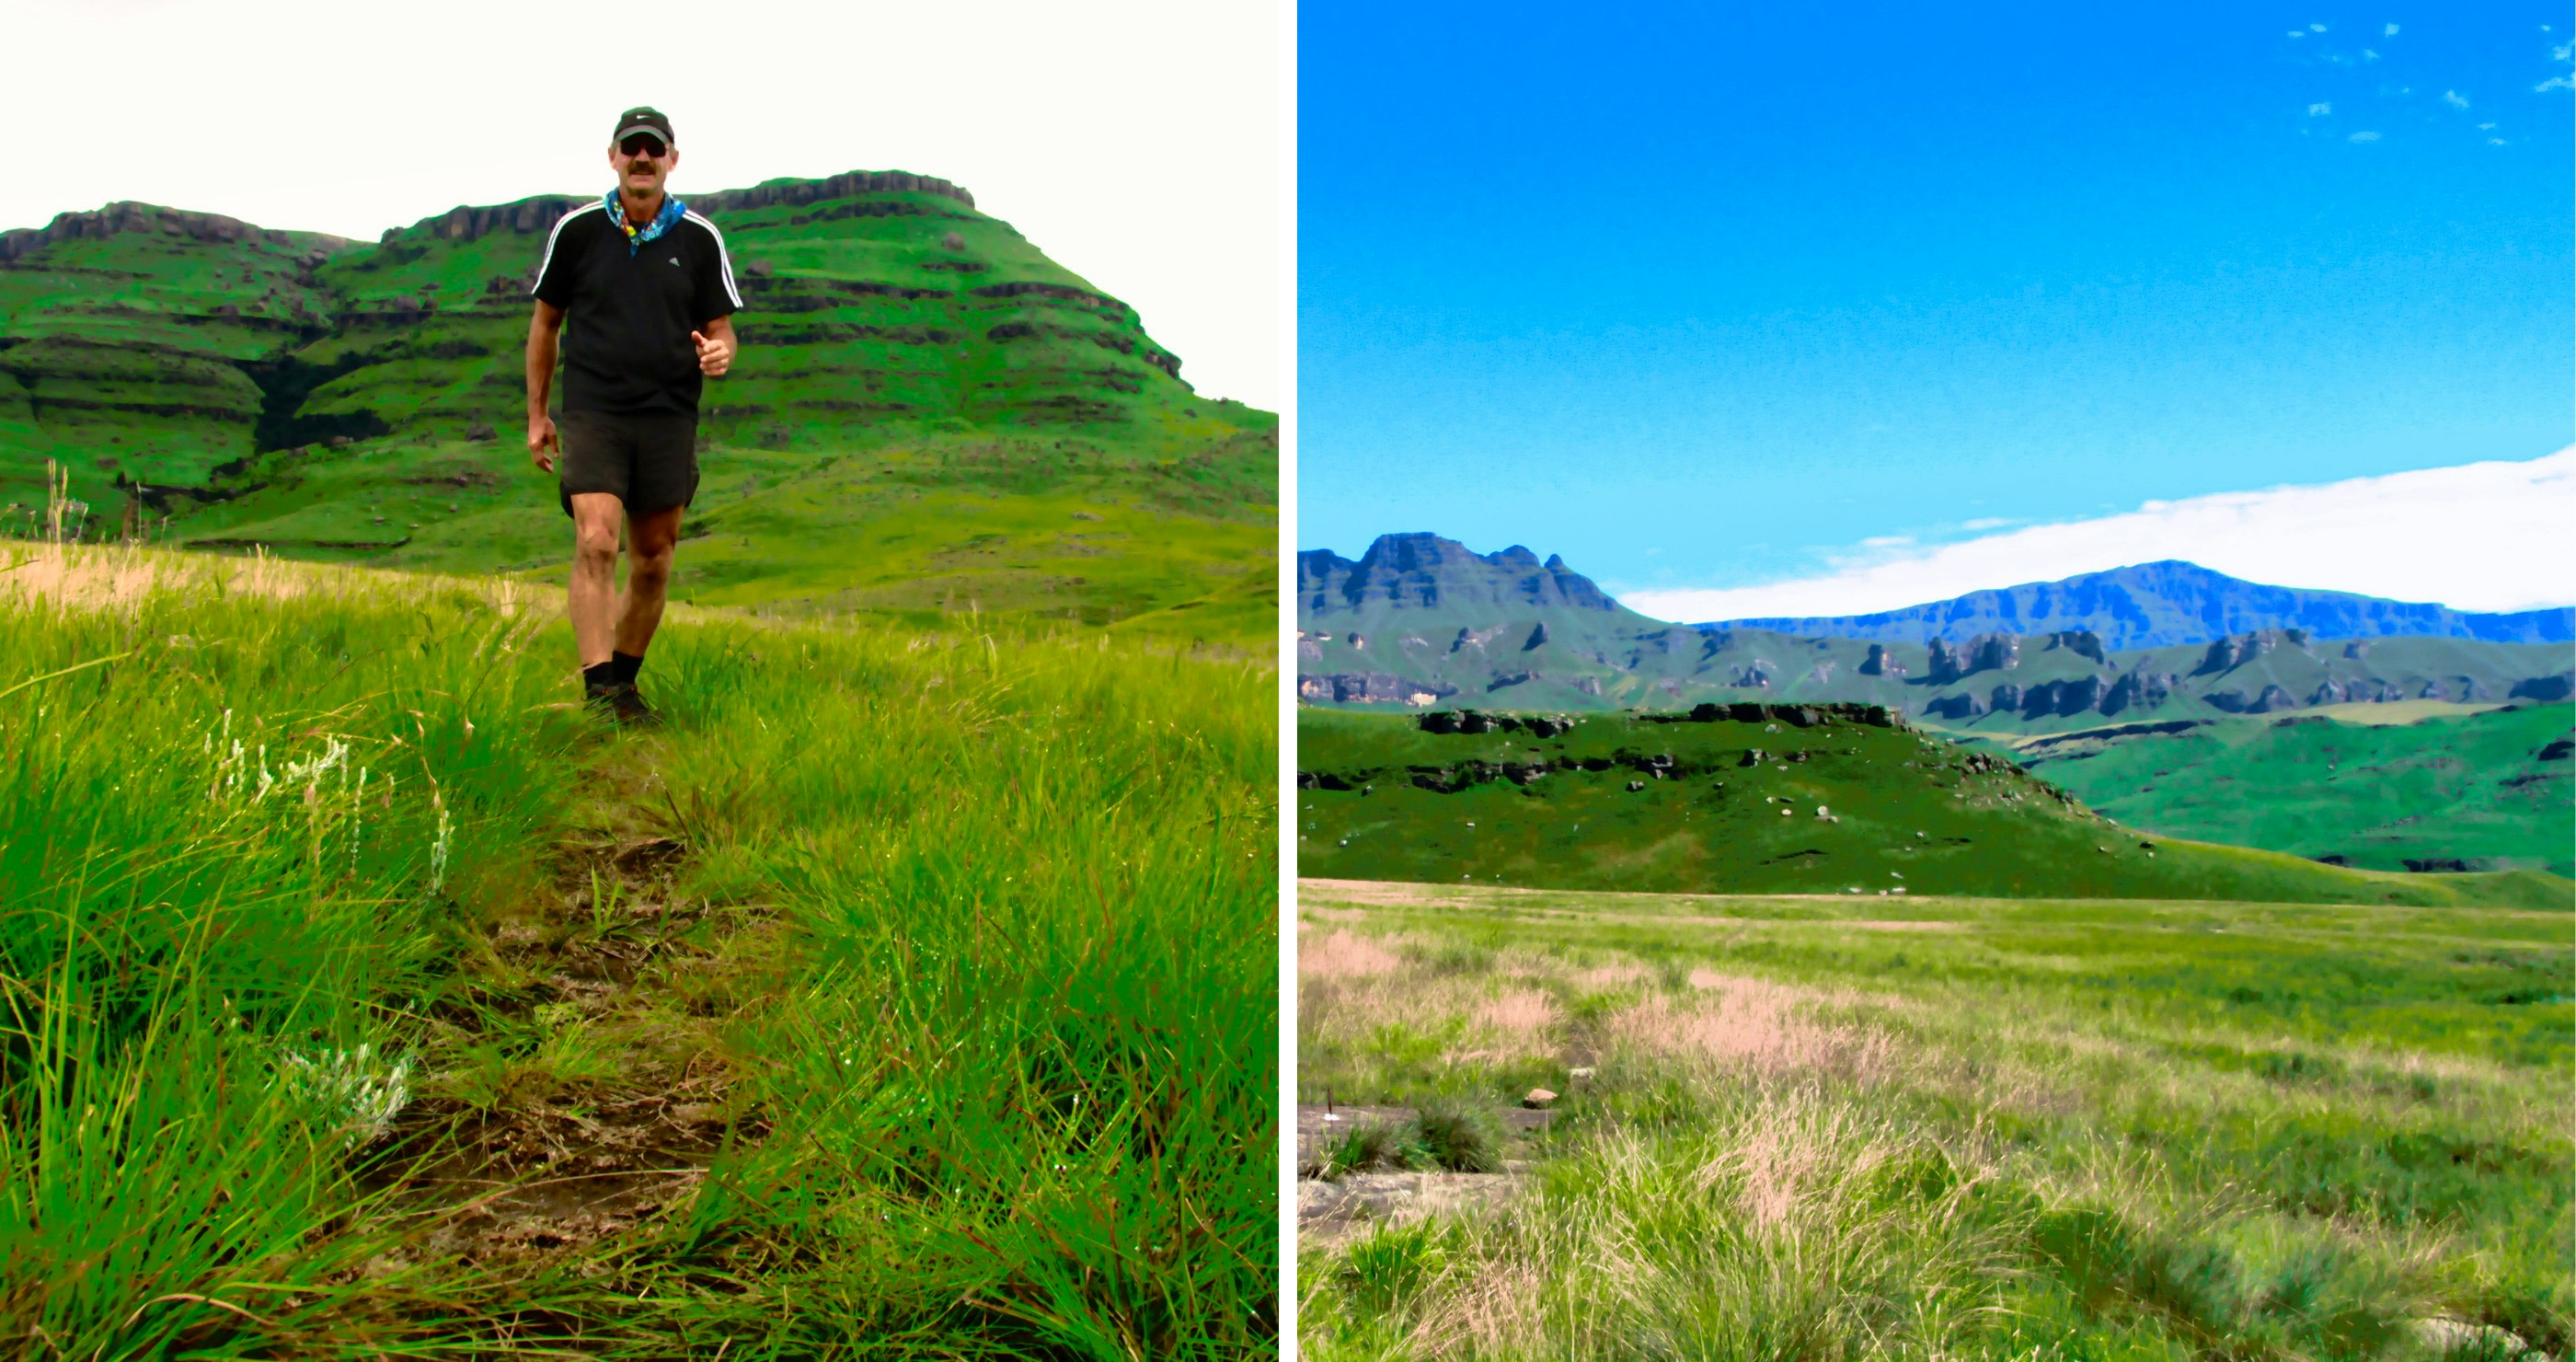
651, 297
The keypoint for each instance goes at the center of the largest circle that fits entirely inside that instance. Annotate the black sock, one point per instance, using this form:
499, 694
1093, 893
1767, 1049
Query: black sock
599, 676
625, 666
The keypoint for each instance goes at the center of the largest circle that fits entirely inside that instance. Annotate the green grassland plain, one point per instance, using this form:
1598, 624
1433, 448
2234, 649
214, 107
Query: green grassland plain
911, 994
2487, 785
1839, 807
1956, 1127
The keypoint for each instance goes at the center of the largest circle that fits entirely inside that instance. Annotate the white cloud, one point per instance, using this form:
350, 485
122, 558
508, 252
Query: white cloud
2486, 127
2368, 55
2455, 99
2316, 28
2298, 33
2554, 83
1991, 522
2388, 32
2495, 141
2319, 110
2480, 536
2363, 137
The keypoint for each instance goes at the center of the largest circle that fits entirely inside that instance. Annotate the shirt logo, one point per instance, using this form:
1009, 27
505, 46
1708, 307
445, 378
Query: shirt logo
675, 260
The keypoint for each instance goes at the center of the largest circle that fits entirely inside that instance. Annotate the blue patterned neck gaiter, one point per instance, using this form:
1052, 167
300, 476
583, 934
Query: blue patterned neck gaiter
636, 236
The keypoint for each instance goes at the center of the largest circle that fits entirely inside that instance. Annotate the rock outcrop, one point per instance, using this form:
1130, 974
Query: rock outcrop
468, 223
1369, 688
126, 216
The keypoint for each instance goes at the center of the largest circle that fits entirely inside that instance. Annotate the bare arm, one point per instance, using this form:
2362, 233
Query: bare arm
716, 346
544, 331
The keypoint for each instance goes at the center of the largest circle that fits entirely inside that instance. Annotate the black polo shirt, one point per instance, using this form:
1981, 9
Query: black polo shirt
629, 313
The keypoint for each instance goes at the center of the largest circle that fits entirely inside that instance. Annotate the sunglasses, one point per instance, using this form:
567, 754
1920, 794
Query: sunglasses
642, 145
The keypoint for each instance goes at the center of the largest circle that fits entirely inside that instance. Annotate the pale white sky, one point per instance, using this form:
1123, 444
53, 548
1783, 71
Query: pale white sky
2498, 535
1137, 143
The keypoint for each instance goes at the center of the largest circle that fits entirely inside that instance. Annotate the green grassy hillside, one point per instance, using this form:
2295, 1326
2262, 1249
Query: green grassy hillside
2489, 789
928, 413
1842, 806
125, 350
2002, 685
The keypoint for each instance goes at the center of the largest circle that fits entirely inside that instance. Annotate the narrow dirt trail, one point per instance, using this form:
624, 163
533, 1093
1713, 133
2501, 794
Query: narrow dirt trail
578, 1084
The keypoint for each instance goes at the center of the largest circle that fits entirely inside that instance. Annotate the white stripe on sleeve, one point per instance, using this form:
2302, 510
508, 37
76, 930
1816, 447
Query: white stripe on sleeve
551, 237
724, 262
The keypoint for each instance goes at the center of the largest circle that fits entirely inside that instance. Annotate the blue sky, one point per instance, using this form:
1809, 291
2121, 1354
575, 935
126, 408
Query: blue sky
1728, 297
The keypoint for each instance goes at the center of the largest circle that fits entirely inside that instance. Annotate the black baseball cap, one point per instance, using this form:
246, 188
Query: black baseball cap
645, 119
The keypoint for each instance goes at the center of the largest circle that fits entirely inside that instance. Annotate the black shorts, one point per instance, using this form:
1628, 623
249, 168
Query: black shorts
648, 461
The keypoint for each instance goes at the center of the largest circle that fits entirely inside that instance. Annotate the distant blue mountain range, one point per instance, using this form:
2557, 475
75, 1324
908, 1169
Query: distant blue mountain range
2157, 605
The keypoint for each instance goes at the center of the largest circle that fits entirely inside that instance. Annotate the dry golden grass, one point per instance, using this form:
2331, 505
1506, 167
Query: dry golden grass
93, 576
1345, 956
1525, 1012
1747, 1026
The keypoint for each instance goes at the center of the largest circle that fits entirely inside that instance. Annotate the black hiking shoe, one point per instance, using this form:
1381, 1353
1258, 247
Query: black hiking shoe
623, 705
627, 703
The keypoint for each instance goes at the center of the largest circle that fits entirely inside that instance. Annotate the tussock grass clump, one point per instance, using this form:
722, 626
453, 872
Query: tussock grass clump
1798, 1228
1459, 1137
1368, 1146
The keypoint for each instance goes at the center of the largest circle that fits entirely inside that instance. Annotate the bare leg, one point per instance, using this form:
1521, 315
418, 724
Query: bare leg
650, 539
595, 520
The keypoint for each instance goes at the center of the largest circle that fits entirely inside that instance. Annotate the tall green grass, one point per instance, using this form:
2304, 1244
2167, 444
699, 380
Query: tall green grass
1002, 1051
232, 832
1019, 1080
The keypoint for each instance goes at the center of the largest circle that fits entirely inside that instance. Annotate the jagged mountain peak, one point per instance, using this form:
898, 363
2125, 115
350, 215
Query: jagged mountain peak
1423, 571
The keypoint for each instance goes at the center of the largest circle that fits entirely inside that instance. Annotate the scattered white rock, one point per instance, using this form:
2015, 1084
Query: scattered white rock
2444, 1336
1537, 1097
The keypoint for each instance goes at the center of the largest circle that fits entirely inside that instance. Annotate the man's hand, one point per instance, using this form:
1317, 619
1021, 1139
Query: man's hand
715, 353
543, 443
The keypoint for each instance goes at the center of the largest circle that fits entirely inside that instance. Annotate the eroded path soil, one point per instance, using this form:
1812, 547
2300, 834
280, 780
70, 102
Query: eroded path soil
577, 1085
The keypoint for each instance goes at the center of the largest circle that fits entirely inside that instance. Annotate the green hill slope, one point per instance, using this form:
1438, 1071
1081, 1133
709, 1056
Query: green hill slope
2489, 790
1833, 804
127, 340
928, 412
